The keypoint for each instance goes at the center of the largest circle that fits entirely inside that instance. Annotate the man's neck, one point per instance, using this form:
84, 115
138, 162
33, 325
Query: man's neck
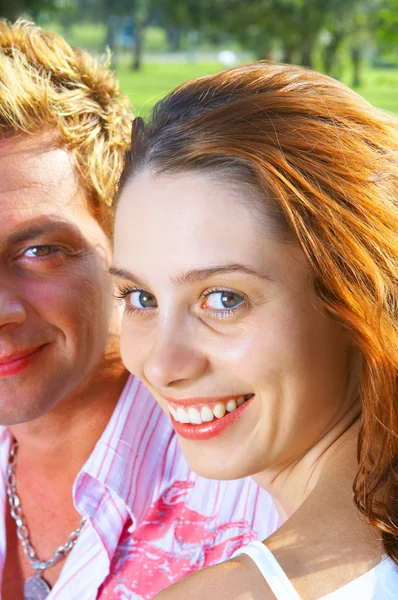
58, 443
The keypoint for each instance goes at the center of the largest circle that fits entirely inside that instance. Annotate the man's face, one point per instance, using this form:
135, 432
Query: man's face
55, 293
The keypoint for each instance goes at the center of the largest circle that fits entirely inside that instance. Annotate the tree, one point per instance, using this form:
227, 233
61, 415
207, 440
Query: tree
141, 12
295, 25
386, 26
363, 19
115, 13
338, 27
16, 8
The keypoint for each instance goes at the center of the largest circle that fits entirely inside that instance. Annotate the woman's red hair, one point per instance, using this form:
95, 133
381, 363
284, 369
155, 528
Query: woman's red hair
327, 161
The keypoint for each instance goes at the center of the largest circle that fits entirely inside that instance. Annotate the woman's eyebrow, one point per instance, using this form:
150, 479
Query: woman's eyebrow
196, 275
125, 274
192, 276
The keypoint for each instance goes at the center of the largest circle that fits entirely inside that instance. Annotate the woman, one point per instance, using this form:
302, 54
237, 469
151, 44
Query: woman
256, 251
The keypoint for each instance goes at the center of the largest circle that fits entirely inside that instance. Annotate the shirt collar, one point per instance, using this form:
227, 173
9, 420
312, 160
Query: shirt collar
127, 461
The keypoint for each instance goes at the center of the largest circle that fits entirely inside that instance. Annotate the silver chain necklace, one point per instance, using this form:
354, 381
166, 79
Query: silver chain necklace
36, 588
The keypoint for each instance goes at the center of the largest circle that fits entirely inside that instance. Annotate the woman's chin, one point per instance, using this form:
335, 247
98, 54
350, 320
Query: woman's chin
220, 465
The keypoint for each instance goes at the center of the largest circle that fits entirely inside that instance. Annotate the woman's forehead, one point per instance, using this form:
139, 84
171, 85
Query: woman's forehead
185, 211
180, 223
191, 199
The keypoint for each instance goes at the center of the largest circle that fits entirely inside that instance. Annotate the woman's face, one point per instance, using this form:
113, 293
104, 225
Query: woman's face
222, 323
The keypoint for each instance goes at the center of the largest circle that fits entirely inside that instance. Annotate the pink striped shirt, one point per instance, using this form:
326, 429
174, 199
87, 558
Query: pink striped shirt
151, 520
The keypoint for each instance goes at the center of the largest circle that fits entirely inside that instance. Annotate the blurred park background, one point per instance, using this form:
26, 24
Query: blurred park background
157, 44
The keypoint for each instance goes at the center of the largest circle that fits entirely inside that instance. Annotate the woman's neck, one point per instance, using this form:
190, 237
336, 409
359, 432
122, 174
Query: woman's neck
290, 484
326, 543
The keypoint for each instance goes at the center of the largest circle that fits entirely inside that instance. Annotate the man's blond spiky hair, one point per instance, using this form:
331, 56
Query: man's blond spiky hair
45, 83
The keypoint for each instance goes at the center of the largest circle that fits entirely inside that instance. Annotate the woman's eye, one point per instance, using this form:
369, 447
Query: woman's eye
223, 300
39, 251
140, 299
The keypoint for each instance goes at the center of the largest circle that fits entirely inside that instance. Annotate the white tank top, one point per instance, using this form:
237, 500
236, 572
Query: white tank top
380, 583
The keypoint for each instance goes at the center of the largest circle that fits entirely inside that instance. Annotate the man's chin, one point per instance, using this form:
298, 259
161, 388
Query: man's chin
26, 399
22, 413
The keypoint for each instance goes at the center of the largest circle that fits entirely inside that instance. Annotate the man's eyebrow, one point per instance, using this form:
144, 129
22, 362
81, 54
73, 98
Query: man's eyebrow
35, 230
192, 276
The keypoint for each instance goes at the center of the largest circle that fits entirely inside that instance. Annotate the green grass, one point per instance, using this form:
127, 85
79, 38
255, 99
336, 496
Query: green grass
380, 87
150, 84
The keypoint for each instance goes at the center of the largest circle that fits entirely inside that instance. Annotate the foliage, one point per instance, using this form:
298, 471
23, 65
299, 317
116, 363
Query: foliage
15, 8
307, 32
387, 25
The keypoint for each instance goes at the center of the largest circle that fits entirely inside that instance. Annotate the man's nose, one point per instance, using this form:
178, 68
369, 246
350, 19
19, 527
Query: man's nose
12, 309
174, 359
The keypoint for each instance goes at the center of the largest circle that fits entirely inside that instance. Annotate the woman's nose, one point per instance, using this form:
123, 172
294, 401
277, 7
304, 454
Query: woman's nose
174, 358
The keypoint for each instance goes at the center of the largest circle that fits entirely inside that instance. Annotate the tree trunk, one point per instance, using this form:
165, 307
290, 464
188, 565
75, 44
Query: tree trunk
137, 46
306, 56
307, 47
287, 54
13, 9
174, 39
111, 42
330, 54
356, 59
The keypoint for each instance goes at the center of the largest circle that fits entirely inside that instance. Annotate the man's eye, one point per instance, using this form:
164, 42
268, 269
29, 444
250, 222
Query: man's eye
140, 299
223, 300
39, 251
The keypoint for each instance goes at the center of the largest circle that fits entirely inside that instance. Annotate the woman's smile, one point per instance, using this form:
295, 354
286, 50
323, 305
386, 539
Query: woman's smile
203, 418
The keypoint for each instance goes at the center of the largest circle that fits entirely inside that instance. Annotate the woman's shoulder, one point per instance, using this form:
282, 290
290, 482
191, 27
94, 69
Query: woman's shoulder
254, 573
236, 578
378, 583
326, 544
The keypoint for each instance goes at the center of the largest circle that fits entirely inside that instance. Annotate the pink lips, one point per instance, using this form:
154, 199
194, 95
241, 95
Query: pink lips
17, 362
207, 431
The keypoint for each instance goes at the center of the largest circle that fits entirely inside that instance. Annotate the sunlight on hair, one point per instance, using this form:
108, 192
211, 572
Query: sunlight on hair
45, 83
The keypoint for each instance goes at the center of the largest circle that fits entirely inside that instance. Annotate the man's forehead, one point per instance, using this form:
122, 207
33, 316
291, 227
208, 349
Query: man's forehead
30, 161
30, 144
35, 174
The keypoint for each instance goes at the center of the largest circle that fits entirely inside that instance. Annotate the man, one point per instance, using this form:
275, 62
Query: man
98, 501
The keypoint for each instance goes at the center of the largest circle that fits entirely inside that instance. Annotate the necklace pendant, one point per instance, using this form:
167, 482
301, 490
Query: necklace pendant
36, 588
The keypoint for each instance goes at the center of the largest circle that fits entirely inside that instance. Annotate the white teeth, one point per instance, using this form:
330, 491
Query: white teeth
207, 414
172, 412
182, 415
231, 405
194, 416
219, 410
